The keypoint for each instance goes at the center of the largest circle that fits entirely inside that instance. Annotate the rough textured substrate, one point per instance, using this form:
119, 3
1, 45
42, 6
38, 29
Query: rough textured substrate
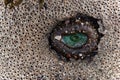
24, 49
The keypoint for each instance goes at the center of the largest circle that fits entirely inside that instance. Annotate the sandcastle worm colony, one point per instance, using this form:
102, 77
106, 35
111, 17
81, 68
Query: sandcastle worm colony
76, 38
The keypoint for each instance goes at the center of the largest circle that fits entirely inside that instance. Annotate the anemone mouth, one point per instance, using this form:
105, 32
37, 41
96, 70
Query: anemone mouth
76, 37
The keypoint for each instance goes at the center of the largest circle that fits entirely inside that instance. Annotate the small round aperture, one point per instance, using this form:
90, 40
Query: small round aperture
76, 37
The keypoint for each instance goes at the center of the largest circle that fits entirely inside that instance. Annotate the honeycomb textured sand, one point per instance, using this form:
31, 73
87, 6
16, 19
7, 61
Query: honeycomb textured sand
24, 48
